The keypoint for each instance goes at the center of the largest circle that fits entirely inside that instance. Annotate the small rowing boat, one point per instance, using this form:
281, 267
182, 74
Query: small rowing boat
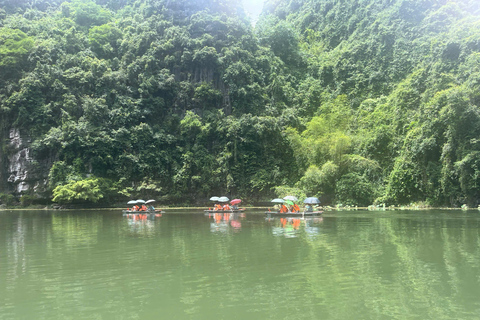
218, 208
294, 210
142, 209
224, 211
142, 212
293, 214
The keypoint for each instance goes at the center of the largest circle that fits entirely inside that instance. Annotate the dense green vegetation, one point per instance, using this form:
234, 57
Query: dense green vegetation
357, 102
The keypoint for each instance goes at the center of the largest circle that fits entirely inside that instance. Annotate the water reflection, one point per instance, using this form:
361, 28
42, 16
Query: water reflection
141, 226
224, 222
294, 227
362, 265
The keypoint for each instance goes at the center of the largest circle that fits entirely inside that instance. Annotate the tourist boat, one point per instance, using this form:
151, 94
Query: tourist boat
142, 212
293, 214
148, 212
233, 203
290, 200
224, 211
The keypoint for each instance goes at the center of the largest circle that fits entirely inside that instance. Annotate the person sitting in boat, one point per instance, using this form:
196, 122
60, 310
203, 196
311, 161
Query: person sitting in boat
143, 208
226, 207
151, 208
283, 209
308, 208
217, 207
234, 207
296, 207
135, 208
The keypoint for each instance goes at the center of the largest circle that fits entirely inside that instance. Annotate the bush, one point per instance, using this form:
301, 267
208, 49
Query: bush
27, 200
87, 190
7, 199
354, 189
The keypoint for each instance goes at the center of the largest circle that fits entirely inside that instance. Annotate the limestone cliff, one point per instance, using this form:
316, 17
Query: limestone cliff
20, 172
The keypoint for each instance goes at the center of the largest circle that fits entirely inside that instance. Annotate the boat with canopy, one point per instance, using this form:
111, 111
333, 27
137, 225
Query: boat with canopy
292, 210
222, 205
142, 208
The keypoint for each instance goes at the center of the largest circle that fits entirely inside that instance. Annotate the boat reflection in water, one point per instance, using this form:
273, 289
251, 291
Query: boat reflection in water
294, 227
143, 216
142, 225
223, 222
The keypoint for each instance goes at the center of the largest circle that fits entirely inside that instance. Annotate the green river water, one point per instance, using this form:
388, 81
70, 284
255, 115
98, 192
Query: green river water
188, 265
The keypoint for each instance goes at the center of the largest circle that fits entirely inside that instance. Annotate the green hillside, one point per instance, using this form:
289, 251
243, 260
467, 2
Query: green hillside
357, 102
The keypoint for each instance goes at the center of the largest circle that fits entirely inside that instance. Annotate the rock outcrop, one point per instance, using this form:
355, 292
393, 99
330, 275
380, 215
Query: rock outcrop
23, 174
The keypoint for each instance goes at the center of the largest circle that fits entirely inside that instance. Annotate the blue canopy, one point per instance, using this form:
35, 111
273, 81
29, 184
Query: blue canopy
311, 200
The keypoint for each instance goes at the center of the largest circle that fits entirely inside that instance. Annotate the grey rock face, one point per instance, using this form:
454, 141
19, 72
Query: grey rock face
25, 174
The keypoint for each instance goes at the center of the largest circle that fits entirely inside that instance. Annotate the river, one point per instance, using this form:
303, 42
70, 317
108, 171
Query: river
188, 265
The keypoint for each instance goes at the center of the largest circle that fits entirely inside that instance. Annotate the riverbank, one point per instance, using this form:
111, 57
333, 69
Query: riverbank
253, 208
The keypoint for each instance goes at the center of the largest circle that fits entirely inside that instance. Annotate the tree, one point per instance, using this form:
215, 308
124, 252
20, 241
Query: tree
86, 13
14, 46
87, 190
104, 40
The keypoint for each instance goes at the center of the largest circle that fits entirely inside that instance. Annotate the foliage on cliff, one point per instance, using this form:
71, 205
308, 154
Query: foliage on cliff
398, 118
355, 102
